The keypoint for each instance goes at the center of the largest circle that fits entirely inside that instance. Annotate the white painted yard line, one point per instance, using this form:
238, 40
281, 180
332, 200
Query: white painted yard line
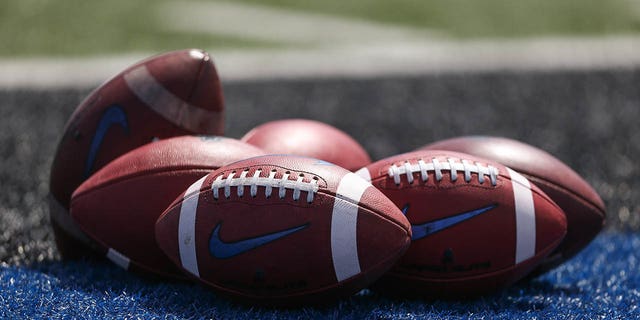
350, 61
258, 22
435, 57
56, 73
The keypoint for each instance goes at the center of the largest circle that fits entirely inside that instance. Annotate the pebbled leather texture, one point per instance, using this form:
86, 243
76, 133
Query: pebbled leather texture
585, 210
187, 76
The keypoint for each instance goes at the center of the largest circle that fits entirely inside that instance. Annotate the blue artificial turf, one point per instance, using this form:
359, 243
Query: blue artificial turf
601, 282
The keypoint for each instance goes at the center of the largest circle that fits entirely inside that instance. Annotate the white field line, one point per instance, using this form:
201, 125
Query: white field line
542, 54
57, 73
350, 62
257, 22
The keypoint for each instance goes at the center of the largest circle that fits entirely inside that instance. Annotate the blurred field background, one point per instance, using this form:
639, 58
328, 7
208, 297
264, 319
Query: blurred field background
76, 27
587, 116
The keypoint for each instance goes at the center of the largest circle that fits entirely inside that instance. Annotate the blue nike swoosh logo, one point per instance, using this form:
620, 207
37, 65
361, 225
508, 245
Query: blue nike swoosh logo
323, 163
223, 250
420, 231
114, 115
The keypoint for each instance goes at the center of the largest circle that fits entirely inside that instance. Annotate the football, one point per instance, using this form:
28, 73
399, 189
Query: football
477, 226
172, 94
117, 207
310, 139
283, 229
582, 205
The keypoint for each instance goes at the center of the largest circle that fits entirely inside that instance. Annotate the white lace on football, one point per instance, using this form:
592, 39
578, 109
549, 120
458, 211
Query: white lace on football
270, 182
437, 167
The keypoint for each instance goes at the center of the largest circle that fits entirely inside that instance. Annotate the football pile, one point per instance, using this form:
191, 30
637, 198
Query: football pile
295, 211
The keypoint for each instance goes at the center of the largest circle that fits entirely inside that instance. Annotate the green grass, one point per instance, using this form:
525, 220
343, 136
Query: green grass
487, 18
81, 27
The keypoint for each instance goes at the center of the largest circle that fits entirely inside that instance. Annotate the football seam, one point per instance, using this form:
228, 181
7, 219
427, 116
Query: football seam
139, 174
302, 294
382, 175
436, 166
535, 179
100, 246
544, 196
196, 82
380, 178
369, 208
202, 195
